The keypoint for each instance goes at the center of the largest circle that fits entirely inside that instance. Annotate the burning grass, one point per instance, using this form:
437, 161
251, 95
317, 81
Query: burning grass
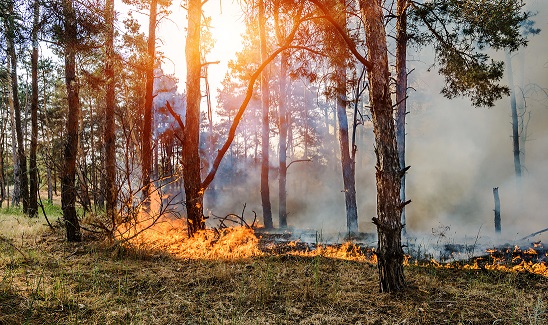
56, 282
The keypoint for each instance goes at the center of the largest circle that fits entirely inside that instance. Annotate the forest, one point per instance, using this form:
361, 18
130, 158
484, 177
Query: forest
221, 161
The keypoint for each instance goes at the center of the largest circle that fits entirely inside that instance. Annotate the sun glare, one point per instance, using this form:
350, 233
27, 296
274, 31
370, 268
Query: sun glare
226, 28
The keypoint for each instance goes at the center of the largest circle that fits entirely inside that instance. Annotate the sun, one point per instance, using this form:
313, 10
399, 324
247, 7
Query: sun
227, 25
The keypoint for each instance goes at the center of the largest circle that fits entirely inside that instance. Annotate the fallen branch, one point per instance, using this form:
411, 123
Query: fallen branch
6, 240
535, 233
296, 161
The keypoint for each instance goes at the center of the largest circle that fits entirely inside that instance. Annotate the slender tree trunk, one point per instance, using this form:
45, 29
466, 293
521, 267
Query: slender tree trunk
16, 197
21, 158
109, 136
265, 136
401, 92
497, 209
282, 143
2, 172
50, 185
515, 122
81, 169
146, 151
191, 157
68, 187
349, 181
33, 198
47, 133
388, 178
348, 172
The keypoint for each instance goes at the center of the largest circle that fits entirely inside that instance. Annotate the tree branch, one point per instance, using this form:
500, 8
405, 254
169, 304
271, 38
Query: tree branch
347, 40
232, 132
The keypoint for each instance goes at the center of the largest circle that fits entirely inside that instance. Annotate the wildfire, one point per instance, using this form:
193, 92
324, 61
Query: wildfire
171, 236
347, 251
508, 260
157, 230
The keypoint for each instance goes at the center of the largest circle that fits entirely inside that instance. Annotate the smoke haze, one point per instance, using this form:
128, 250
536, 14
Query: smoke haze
457, 154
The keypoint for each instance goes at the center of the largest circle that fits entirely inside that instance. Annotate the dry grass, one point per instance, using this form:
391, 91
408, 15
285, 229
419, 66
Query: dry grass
51, 282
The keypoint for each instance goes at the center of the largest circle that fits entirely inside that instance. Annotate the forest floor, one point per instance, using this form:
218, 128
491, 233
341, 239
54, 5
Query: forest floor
44, 280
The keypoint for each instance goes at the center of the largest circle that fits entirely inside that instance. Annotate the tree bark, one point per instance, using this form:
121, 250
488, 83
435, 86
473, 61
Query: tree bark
265, 134
146, 144
109, 136
401, 92
33, 170
21, 158
68, 187
388, 179
191, 159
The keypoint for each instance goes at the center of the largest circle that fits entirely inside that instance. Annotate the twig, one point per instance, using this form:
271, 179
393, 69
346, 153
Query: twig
4, 239
45, 215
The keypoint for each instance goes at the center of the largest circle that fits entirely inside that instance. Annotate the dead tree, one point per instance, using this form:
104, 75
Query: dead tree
497, 209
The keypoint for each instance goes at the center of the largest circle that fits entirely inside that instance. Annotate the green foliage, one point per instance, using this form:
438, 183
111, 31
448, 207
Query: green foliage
12, 210
460, 30
473, 77
52, 209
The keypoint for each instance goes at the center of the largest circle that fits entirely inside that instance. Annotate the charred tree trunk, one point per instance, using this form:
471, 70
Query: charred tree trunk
283, 142
265, 135
21, 158
191, 158
388, 173
146, 151
109, 136
68, 187
33, 170
401, 92
497, 209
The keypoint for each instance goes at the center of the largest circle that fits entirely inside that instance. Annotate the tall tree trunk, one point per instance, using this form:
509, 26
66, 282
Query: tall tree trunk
47, 134
349, 181
515, 122
191, 157
348, 171
33, 170
109, 136
146, 151
401, 92
282, 143
21, 158
388, 178
265, 135
68, 187
2, 172
16, 195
